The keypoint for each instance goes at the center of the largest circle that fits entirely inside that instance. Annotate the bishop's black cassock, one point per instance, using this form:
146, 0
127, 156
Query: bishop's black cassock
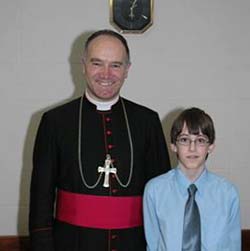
65, 215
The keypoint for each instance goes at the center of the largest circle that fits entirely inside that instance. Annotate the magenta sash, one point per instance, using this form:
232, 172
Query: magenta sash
104, 212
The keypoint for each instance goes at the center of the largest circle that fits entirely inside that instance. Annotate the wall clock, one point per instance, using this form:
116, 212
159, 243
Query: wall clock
131, 16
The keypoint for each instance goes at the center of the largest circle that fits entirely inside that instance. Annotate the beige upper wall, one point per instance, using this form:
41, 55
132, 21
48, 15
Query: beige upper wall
195, 54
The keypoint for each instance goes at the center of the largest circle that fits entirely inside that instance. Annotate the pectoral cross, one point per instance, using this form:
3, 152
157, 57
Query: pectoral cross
107, 170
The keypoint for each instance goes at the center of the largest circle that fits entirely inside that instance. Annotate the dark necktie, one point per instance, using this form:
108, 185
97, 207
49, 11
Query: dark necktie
191, 240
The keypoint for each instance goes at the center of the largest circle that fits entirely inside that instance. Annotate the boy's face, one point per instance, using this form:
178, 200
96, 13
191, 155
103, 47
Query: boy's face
192, 150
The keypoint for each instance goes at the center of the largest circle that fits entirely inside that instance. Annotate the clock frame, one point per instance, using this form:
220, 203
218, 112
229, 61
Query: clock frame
131, 16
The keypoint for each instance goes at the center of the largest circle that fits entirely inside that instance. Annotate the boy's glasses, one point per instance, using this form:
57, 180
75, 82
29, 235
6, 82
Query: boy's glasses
186, 141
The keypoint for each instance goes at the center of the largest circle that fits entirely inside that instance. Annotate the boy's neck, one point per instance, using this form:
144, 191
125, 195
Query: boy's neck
192, 174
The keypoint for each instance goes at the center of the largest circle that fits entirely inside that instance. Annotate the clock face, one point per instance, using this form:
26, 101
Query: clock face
131, 15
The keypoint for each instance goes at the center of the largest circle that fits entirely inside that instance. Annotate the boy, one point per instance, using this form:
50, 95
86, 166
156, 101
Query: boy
205, 218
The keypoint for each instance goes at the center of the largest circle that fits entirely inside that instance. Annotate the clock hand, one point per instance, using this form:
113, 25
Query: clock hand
134, 5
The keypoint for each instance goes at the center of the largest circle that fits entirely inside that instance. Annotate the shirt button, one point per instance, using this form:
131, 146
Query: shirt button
114, 190
109, 132
114, 236
108, 119
110, 146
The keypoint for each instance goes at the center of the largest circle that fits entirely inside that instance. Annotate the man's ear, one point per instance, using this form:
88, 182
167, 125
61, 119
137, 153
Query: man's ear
127, 69
83, 64
173, 147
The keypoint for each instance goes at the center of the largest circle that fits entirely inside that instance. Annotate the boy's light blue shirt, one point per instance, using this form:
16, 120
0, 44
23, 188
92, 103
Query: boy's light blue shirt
163, 206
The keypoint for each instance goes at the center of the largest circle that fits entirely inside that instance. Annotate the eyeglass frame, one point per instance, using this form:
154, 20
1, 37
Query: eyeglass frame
195, 141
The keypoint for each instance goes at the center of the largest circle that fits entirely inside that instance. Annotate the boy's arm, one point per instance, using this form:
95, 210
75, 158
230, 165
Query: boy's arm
151, 224
234, 222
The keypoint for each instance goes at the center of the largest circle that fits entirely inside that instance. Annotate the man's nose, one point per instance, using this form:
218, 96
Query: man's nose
106, 71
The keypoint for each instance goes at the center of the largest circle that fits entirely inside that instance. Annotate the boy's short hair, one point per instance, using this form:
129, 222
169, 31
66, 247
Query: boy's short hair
196, 121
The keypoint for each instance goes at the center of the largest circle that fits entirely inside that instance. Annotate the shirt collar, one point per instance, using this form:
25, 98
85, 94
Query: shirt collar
102, 105
183, 182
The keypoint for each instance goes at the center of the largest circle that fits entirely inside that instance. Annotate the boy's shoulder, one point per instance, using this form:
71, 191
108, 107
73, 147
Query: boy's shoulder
161, 180
221, 183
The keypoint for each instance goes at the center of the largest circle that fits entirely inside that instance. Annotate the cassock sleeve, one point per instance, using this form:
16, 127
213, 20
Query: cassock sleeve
42, 190
157, 157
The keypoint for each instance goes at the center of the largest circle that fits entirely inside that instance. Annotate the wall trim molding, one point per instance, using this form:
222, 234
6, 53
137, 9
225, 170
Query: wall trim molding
14, 243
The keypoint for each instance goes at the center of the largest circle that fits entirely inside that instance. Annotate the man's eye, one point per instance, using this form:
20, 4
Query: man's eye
116, 65
96, 63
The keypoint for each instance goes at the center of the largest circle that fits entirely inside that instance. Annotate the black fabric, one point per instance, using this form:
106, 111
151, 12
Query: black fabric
55, 165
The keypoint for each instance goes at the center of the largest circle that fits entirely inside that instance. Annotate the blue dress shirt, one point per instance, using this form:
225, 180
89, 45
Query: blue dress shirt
164, 202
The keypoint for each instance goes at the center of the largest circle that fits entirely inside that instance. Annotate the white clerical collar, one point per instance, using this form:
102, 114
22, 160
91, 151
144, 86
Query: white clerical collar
102, 105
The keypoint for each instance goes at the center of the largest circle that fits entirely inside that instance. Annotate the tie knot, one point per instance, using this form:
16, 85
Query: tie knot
192, 189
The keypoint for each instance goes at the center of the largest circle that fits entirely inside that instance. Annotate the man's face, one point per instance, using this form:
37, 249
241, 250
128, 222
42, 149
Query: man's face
105, 67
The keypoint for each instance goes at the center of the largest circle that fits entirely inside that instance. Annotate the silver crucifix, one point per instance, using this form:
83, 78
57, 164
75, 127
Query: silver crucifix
107, 170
